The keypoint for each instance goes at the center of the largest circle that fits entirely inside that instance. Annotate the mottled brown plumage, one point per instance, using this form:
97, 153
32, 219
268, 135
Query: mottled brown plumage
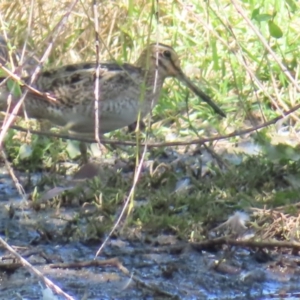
125, 90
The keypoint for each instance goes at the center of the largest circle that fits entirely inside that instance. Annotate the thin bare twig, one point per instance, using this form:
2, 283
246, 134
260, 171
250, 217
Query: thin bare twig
166, 144
32, 269
13, 176
36, 71
97, 81
115, 262
139, 162
245, 243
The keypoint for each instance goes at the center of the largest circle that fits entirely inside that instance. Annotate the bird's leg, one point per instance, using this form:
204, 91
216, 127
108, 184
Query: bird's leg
84, 154
84, 147
132, 127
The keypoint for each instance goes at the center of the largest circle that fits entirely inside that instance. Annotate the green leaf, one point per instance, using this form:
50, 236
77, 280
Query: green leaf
25, 151
255, 13
275, 30
73, 149
2, 73
215, 56
14, 88
263, 17
130, 8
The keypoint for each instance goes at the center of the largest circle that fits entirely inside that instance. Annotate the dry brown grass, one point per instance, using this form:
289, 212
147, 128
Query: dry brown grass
121, 29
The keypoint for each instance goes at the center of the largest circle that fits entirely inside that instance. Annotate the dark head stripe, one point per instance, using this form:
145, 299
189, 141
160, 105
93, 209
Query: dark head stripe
162, 45
161, 62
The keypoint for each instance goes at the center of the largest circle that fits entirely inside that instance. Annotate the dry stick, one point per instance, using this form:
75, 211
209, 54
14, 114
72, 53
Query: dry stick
7, 124
152, 287
165, 144
115, 262
97, 81
27, 265
19, 187
4, 129
28, 86
27, 33
245, 243
12, 175
283, 68
16, 109
137, 170
135, 180
35, 73
20, 61
11, 118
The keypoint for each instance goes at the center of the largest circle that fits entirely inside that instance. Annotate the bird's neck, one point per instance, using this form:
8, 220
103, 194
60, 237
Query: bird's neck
153, 78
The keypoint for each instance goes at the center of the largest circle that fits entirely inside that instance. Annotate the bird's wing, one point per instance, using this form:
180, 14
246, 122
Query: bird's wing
75, 84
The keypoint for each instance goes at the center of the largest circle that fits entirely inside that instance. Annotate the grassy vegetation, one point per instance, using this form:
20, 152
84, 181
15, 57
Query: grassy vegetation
218, 50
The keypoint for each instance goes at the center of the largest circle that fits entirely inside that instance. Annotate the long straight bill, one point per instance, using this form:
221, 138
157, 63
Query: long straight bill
200, 94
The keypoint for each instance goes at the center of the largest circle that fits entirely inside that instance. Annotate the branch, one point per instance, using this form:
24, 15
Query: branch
163, 144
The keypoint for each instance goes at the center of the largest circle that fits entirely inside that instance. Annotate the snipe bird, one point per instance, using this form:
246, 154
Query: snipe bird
124, 91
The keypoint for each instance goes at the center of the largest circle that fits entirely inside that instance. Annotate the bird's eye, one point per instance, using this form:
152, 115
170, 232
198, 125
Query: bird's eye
167, 54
